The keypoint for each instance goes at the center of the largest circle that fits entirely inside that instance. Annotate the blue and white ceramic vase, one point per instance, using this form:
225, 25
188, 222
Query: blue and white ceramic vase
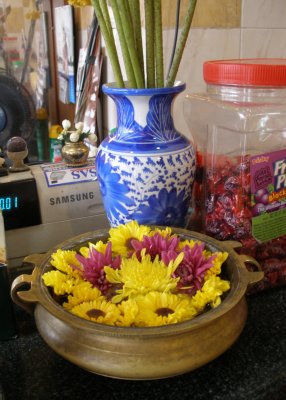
145, 167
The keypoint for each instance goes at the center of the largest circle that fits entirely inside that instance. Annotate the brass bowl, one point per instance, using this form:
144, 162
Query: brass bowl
139, 353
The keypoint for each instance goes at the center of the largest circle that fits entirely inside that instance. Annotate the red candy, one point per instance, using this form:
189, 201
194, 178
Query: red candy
222, 202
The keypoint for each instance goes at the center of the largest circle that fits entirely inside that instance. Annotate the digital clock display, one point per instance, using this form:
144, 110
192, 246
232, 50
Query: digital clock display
19, 204
9, 203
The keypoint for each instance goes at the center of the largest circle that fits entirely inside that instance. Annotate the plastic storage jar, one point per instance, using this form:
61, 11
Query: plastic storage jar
239, 126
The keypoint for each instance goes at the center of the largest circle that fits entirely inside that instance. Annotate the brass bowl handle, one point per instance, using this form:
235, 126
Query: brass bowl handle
251, 277
26, 299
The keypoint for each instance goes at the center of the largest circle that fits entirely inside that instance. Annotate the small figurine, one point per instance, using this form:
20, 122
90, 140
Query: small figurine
17, 151
3, 169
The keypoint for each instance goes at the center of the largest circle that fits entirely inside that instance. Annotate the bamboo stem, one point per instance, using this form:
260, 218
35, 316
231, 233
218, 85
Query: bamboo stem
181, 44
149, 25
128, 9
124, 47
128, 32
136, 18
109, 42
105, 13
158, 44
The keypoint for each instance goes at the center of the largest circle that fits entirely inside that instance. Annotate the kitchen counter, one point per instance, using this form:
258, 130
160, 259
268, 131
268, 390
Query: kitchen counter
254, 368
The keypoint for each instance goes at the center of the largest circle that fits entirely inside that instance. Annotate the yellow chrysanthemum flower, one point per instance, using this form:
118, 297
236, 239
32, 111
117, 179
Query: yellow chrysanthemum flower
215, 287
189, 243
84, 251
141, 277
157, 309
79, 3
145, 289
217, 263
210, 293
163, 232
99, 246
199, 301
129, 311
62, 259
83, 292
60, 282
121, 236
100, 311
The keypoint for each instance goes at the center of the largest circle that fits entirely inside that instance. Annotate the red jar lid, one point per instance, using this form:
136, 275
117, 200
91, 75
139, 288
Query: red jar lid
246, 72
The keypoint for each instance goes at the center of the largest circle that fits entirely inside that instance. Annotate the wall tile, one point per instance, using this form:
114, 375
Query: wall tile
259, 43
202, 45
208, 13
264, 14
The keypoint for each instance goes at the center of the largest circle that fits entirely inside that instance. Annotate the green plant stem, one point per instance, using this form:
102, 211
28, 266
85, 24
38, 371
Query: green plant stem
124, 47
136, 19
149, 26
105, 13
109, 42
158, 43
128, 9
128, 32
181, 43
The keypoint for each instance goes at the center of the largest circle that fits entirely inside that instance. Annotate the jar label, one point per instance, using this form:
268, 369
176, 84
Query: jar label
268, 195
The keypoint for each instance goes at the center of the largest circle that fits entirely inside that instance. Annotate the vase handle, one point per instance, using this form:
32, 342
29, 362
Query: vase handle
27, 299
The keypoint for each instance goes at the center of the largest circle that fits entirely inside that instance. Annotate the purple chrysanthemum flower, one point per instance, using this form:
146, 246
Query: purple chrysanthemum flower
169, 255
155, 245
93, 267
193, 268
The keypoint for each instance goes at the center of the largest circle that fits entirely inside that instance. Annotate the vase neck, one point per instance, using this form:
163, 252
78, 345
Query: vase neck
149, 116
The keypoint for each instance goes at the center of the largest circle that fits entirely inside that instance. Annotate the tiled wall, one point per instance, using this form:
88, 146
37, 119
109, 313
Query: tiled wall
259, 31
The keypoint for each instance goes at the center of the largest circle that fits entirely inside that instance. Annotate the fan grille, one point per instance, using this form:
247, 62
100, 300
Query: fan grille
17, 110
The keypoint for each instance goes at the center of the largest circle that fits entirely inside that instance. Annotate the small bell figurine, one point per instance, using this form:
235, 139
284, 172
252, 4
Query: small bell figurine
17, 151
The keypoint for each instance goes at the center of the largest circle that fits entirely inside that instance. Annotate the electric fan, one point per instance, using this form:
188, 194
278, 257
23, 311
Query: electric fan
17, 112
